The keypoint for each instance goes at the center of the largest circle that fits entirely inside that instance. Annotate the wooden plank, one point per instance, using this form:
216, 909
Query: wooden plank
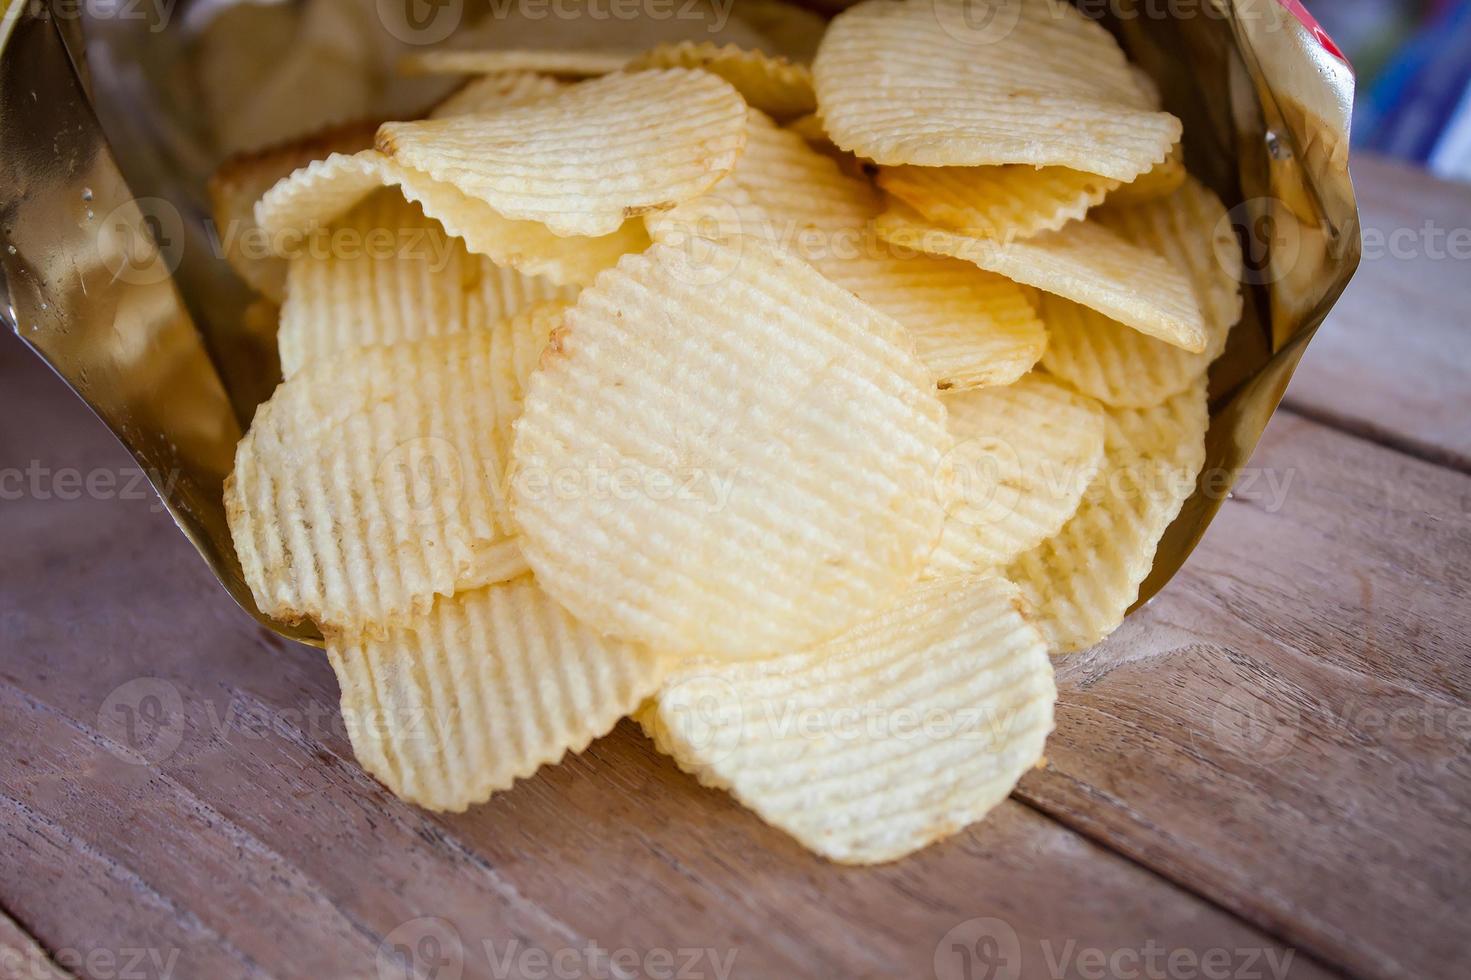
1285, 728
22, 958
1393, 359
252, 845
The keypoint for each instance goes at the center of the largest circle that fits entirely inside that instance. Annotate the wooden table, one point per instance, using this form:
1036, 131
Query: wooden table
1268, 767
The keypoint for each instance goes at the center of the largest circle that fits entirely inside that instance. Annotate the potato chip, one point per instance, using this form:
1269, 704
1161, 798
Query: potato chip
586, 159
959, 83
1082, 581
568, 63
794, 32
241, 180
490, 92
1162, 180
898, 733
1023, 457
384, 273
1084, 262
809, 127
326, 189
772, 84
1123, 367
970, 328
593, 25
371, 482
725, 454
483, 689
1007, 202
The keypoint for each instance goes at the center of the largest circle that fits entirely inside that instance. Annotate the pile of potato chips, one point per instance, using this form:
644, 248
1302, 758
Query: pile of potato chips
799, 410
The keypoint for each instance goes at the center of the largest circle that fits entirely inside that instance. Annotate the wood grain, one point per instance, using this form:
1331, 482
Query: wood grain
1286, 728
1393, 359
22, 958
1272, 754
229, 833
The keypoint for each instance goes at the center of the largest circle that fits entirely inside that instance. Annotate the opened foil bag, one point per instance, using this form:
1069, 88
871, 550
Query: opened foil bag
113, 271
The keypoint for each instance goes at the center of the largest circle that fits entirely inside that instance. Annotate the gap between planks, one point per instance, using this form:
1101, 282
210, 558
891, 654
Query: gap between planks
1385, 438
1180, 882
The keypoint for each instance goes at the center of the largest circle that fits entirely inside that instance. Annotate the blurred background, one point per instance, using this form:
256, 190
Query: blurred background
1413, 62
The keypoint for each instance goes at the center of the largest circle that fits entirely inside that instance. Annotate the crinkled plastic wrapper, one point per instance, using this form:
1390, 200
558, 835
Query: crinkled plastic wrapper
113, 278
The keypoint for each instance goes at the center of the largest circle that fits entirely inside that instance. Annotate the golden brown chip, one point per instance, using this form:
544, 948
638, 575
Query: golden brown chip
322, 191
619, 146
1080, 582
1162, 180
898, 733
959, 83
1023, 457
1123, 367
725, 454
385, 273
241, 180
491, 92
594, 25
483, 689
1084, 262
585, 63
1014, 201
772, 84
372, 481
970, 328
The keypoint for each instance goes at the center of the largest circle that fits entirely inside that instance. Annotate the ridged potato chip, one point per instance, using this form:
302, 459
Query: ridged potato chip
483, 689
794, 31
1006, 202
1084, 262
583, 161
1123, 367
899, 733
490, 92
594, 25
770, 83
725, 454
373, 481
385, 273
1080, 582
970, 328
572, 63
320, 192
959, 83
1161, 180
1023, 457
241, 180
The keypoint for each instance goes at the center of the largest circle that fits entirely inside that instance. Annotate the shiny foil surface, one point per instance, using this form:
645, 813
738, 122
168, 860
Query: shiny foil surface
112, 277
